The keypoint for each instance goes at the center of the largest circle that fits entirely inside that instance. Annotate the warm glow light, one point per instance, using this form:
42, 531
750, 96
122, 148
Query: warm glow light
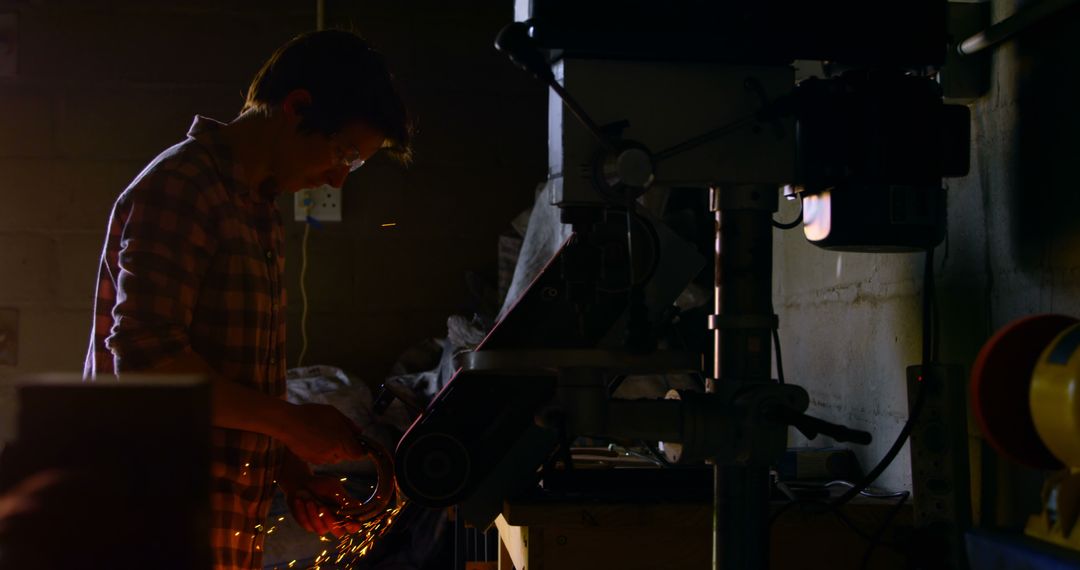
350, 548
817, 216
389, 225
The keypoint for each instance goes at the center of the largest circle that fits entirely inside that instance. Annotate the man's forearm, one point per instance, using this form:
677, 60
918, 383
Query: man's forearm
238, 407
316, 433
294, 472
233, 405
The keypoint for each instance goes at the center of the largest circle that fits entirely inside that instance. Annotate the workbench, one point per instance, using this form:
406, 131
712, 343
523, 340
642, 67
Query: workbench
544, 535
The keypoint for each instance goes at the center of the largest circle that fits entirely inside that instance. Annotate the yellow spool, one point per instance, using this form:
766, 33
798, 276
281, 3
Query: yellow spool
1055, 408
1055, 403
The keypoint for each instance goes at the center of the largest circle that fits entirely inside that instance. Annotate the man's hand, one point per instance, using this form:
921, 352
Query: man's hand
318, 433
314, 504
321, 434
28, 501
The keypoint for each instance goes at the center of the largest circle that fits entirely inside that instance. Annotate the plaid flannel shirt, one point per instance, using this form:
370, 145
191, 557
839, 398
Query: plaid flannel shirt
193, 261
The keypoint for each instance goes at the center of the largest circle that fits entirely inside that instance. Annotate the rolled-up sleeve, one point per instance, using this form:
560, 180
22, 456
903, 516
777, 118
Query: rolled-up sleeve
166, 244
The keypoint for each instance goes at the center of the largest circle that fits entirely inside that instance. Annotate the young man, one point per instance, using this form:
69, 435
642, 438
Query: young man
192, 275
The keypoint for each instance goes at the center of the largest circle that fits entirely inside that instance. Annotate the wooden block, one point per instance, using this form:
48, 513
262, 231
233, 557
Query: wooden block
514, 541
505, 562
624, 536
608, 515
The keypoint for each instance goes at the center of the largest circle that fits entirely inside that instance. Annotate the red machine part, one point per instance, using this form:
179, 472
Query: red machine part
1000, 385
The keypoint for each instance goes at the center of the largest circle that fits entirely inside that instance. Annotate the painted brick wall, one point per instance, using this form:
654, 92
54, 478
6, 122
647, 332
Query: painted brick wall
851, 322
480, 152
101, 88
104, 85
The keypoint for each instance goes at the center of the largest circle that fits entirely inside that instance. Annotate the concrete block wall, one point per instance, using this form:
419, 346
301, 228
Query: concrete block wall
480, 152
1015, 238
851, 322
105, 85
849, 325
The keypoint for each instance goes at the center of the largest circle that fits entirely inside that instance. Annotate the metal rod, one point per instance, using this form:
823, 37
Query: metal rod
710, 386
1012, 25
718, 517
718, 488
579, 112
719, 132
742, 287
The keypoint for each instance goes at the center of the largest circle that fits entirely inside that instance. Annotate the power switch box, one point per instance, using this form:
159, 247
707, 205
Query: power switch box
939, 460
322, 204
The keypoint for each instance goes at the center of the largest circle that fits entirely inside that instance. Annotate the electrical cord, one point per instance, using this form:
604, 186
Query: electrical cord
814, 506
836, 483
929, 342
303, 280
866, 493
779, 357
792, 224
920, 398
809, 506
876, 539
654, 261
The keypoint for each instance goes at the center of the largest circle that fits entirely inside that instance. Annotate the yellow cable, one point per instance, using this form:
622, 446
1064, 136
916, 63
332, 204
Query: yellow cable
303, 281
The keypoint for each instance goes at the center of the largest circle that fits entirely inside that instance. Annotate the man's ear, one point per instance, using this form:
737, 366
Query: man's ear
295, 106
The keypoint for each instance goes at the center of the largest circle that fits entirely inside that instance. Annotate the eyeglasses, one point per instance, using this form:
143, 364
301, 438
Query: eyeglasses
348, 156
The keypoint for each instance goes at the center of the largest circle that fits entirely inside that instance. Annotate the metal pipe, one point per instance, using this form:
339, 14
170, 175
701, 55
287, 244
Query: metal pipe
718, 530
320, 14
742, 291
578, 111
1012, 25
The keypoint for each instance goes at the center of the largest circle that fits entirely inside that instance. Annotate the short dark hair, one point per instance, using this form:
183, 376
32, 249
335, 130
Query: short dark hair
348, 81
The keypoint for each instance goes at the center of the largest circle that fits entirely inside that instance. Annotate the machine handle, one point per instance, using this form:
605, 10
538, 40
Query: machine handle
514, 41
811, 426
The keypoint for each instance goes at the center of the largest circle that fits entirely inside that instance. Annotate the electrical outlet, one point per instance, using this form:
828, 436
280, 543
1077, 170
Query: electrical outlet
9, 337
325, 204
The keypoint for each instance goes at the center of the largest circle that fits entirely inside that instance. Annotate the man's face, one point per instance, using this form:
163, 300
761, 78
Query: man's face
310, 160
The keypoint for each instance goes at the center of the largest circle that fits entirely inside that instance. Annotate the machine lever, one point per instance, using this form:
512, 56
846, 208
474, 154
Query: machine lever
811, 426
514, 41
394, 390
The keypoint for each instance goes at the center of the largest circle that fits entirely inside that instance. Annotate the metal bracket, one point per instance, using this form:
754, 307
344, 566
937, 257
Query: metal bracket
552, 361
723, 322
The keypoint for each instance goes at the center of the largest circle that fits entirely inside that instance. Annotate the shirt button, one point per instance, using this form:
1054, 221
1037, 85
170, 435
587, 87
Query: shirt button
273, 360
269, 254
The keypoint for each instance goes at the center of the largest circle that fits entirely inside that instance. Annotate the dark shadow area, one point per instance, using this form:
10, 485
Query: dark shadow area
1044, 194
